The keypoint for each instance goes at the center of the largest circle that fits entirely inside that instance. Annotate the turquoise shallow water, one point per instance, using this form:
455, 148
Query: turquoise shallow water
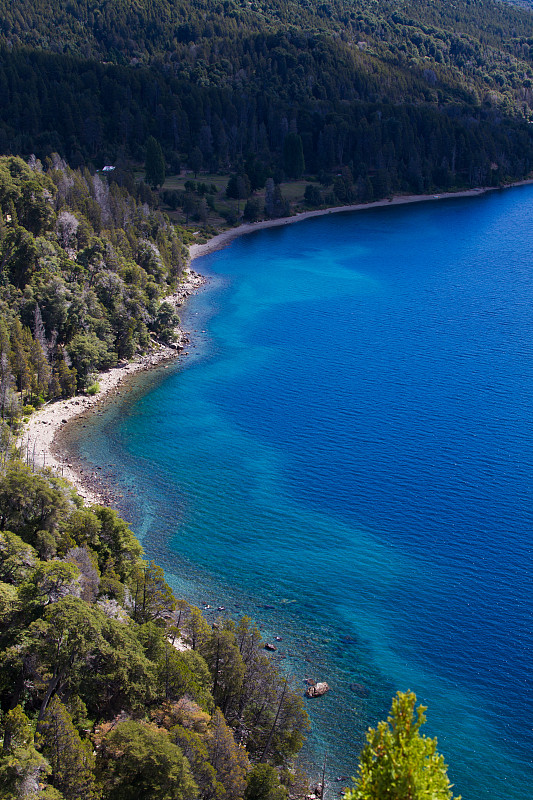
346, 456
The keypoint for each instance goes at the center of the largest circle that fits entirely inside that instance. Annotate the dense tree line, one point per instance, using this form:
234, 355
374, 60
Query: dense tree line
96, 699
97, 113
428, 96
110, 686
84, 268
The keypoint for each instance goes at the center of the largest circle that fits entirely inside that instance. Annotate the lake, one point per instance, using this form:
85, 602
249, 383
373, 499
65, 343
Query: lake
346, 456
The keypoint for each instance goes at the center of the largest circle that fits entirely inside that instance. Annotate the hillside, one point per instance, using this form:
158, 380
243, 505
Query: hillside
413, 95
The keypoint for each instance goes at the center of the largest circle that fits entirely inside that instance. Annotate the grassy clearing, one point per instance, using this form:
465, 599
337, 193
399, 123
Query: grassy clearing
227, 212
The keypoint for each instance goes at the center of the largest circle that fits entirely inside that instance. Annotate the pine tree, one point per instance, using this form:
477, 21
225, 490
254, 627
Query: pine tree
71, 759
399, 763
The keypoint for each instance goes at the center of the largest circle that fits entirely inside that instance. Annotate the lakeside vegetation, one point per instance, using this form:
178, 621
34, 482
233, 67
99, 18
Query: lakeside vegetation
97, 701
84, 270
110, 687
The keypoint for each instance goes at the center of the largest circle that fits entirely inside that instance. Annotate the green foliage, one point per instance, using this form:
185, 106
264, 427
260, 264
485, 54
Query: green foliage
116, 545
81, 285
21, 766
50, 582
87, 635
93, 389
313, 195
151, 595
253, 210
398, 762
71, 760
434, 95
293, 156
32, 506
88, 352
9, 603
263, 783
183, 673
17, 558
139, 760
165, 322
225, 664
230, 761
194, 627
194, 748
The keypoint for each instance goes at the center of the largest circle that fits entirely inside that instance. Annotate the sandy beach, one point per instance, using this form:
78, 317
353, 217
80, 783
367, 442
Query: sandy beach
41, 438
40, 441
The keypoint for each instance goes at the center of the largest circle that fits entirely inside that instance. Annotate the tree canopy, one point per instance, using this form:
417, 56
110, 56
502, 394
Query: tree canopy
89, 665
428, 95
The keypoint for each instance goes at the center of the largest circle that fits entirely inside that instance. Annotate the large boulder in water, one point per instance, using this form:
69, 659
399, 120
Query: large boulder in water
317, 690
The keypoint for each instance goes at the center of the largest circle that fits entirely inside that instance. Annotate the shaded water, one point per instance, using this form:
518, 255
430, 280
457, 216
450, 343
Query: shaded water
346, 456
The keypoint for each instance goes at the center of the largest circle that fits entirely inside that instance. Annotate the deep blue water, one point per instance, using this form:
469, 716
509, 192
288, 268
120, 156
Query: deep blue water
346, 456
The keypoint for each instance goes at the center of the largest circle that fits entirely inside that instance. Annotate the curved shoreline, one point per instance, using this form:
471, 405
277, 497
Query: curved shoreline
223, 239
41, 438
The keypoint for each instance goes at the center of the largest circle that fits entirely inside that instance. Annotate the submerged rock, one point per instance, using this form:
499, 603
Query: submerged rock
360, 690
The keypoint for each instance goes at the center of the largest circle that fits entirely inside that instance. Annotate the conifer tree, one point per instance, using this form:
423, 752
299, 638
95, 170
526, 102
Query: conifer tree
19, 358
400, 763
66, 378
41, 369
229, 759
154, 165
71, 759
5, 367
293, 156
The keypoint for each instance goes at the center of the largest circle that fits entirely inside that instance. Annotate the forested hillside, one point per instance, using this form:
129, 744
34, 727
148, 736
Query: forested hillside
84, 268
109, 687
413, 95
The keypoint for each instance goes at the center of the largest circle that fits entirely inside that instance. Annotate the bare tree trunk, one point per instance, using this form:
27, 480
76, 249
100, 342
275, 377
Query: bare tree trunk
273, 728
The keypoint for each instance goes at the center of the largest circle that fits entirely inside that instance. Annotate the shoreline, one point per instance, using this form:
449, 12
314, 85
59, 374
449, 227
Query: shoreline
223, 239
41, 438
